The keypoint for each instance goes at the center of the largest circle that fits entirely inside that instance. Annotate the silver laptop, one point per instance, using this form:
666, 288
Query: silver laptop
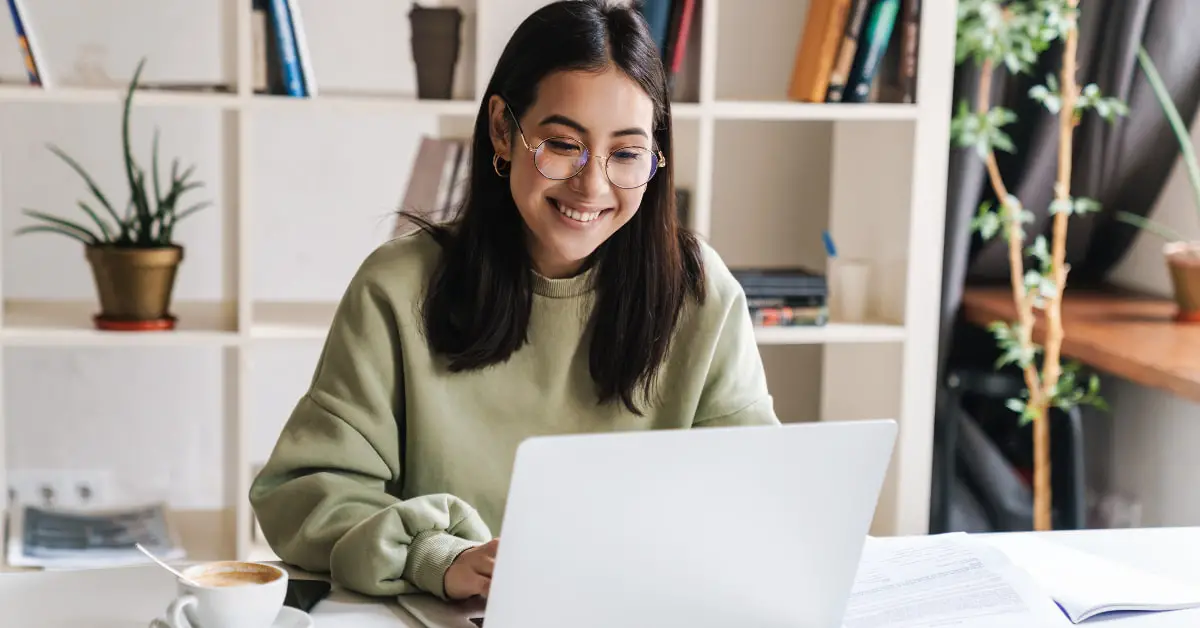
714, 527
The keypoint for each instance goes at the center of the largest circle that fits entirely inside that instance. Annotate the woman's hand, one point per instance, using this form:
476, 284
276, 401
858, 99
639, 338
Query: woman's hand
471, 573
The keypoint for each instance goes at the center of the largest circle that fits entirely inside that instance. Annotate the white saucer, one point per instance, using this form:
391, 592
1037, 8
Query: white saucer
289, 617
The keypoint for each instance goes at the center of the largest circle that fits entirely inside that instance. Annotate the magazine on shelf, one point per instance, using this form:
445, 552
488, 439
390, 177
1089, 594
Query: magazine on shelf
40, 536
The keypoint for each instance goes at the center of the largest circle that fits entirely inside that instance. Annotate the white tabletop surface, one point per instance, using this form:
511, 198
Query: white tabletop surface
131, 596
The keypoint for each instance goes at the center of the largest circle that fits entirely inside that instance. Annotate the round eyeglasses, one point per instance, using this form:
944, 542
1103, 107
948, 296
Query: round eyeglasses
560, 158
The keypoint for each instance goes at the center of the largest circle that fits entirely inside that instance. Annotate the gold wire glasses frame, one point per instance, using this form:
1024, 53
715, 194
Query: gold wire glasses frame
559, 158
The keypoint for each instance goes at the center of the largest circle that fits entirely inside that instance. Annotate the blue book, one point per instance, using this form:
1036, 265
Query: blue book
658, 16
289, 60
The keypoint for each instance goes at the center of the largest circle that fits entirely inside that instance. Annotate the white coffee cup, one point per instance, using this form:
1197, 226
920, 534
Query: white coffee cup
227, 594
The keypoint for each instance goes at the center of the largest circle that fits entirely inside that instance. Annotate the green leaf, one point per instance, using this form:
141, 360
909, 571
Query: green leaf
95, 189
191, 210
65, 224
1040, 250
1083, 205
987, 222
1178, 127
108, 236
1012, 351
154, 168
1047, 94
53, 229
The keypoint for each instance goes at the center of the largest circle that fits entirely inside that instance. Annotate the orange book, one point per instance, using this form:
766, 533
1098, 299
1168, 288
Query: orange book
823, 29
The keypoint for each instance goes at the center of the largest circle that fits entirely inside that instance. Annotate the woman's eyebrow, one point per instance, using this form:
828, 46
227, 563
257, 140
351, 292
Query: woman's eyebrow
565, 121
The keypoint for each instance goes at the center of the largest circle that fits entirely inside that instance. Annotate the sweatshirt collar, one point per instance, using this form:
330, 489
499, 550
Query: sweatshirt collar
563, 288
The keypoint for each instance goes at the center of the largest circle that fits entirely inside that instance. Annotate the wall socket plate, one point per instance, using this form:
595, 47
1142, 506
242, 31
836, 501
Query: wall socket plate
63, 488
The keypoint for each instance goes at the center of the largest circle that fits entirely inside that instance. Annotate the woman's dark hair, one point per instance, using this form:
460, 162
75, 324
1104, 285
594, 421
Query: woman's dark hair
478, 302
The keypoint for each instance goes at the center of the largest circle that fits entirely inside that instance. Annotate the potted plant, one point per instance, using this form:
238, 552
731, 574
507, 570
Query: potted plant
133, 254
992, 33
1181, 254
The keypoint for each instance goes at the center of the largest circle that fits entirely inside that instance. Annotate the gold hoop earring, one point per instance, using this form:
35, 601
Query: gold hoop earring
496, 159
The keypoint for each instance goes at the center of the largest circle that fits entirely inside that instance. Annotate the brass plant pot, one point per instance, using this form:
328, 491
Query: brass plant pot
134, 285
1183, 263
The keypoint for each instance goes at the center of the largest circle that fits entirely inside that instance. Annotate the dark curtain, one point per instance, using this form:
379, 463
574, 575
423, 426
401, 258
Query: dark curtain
1124, 165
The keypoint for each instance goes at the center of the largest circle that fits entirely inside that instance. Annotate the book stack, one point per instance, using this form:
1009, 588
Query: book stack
780, 297
856, 51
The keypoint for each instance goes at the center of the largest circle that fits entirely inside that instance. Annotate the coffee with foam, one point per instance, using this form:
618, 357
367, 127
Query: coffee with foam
234, 575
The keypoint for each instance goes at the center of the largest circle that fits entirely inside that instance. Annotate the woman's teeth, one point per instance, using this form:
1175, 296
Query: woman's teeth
577, 215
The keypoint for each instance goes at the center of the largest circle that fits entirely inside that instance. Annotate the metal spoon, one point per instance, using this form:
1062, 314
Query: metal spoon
166, 566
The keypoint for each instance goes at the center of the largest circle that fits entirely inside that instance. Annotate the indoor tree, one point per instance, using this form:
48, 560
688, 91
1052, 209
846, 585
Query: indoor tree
1013, 35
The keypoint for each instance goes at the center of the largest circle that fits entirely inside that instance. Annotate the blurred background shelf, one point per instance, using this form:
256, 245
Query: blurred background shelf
303, 189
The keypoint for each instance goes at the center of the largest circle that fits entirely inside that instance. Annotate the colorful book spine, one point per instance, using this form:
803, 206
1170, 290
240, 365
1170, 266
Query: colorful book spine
910, 30
293, 78
658, 18
874, 43
302, 54
846, 50
29, 53
817, 53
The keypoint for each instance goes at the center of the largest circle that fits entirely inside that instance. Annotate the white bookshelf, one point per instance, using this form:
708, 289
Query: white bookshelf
766, 176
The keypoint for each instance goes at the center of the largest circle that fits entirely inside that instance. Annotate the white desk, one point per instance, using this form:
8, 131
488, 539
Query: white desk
129, 597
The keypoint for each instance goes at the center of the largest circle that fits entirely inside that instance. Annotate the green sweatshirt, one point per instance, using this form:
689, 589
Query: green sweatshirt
389, 466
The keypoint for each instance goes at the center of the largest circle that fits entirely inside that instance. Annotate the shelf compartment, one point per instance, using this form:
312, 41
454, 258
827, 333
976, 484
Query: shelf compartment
69, 323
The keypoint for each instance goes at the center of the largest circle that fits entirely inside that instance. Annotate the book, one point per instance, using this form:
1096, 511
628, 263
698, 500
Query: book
877, 34
436, 183
910, 31
30, 51
61, 538
281, 20
818, 49
300, 38
678, 31
846, 50
1085, 585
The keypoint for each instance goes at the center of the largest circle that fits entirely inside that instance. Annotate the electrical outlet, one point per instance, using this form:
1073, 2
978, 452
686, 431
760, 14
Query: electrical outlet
64, 488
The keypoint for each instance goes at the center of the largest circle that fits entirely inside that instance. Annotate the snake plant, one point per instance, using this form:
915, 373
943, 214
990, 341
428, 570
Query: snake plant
151, 213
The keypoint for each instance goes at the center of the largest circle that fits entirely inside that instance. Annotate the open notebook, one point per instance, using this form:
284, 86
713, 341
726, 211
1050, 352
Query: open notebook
1086, 585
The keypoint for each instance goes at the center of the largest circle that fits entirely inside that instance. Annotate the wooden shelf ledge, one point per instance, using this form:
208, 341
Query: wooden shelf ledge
1129, 335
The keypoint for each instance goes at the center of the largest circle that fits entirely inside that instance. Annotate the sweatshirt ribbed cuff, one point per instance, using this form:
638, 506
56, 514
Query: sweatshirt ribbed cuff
430, 554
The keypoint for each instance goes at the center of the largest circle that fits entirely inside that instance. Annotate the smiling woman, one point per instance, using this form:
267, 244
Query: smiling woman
565, 298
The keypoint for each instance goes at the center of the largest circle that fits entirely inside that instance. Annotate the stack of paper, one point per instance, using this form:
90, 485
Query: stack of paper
944, 580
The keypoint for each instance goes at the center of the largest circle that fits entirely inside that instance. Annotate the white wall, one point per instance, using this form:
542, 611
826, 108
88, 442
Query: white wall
1145, 448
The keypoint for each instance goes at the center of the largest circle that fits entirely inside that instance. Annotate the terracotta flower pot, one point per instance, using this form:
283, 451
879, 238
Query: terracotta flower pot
435, 48
1183, 263
134, 286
